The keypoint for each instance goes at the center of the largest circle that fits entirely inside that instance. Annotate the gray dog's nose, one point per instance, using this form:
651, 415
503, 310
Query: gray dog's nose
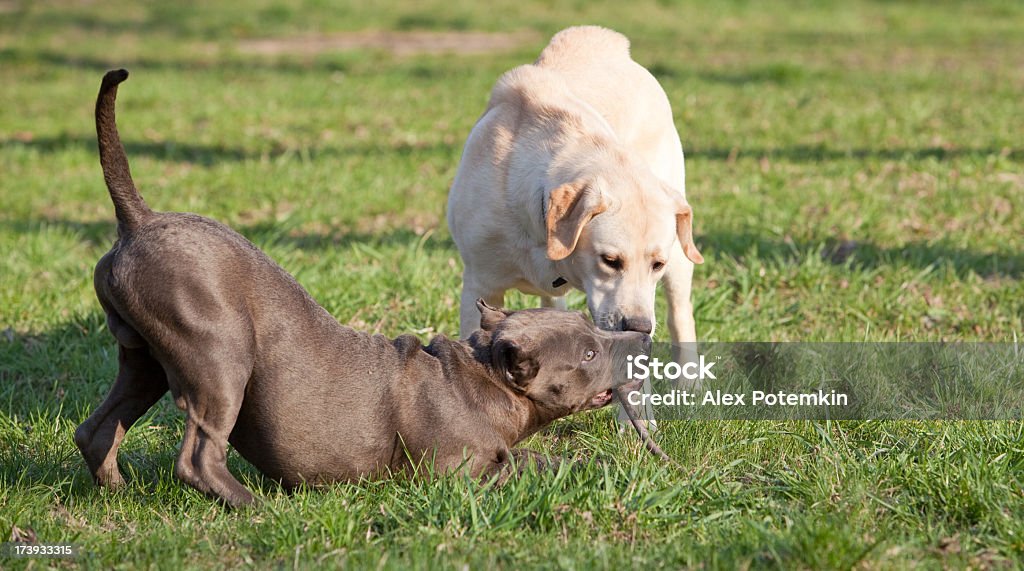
641, 324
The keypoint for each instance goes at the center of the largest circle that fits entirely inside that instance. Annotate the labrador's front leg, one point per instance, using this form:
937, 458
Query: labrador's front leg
682, 327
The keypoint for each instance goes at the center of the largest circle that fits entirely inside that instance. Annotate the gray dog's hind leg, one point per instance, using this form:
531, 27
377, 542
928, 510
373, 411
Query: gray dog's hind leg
141, 382
212, 407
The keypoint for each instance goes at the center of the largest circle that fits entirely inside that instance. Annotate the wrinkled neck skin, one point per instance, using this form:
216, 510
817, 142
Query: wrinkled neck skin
512, 414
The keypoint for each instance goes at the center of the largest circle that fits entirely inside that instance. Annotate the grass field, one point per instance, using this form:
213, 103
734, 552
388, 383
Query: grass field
857, 173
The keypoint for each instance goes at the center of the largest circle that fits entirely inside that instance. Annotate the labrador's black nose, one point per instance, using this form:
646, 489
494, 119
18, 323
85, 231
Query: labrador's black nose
641, 324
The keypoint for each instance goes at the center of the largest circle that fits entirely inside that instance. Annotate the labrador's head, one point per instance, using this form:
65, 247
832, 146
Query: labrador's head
615, 232
558, 359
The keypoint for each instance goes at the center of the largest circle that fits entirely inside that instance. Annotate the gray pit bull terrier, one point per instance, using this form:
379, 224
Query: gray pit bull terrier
252, 360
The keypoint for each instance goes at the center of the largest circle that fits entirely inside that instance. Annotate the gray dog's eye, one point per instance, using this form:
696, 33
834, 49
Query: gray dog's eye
589, 355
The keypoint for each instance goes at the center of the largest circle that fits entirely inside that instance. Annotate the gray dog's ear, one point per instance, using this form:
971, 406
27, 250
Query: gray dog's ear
490, 316
570, 207
513, 362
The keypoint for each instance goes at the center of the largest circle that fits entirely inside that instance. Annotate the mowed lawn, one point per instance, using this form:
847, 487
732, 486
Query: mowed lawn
856, 170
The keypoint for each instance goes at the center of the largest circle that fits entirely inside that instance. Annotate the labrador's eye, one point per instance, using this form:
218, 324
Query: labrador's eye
612, 262
657, 266
589, 355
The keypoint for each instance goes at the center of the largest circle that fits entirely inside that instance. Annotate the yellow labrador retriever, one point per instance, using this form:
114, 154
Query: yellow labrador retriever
574, 177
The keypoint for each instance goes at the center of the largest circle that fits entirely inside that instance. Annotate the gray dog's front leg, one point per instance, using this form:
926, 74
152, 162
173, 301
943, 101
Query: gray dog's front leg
524, 459
521, 459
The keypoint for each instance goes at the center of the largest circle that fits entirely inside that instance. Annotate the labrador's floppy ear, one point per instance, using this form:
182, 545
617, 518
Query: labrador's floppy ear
513, 362
570, 207
490, 316
684, 229
684, 226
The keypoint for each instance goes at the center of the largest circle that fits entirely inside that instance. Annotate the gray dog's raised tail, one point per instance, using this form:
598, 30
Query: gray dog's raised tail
129, 207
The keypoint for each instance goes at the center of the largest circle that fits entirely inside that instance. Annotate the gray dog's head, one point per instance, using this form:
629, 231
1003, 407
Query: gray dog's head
559, 359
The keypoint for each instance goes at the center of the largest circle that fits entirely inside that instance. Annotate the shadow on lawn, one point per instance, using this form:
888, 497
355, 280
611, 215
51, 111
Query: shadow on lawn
401, 238
866, 255
66, 476
822, 153
65, 370
329, 63
206, 155
161, 20
210, 155
103, 233
739, 245
323, 64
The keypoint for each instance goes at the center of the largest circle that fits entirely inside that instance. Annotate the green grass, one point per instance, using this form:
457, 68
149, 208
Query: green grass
856, 173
